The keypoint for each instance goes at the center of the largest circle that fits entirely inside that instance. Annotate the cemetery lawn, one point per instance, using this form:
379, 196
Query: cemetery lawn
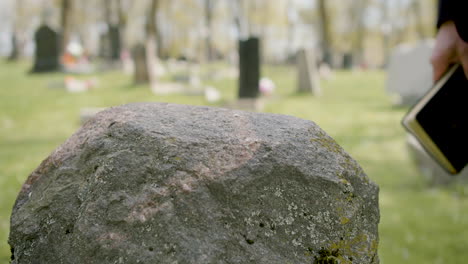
419, 223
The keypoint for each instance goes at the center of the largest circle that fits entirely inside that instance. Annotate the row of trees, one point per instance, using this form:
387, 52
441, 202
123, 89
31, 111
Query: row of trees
208, 29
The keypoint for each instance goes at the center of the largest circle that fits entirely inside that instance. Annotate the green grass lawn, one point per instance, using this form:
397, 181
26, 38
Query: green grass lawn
419, 224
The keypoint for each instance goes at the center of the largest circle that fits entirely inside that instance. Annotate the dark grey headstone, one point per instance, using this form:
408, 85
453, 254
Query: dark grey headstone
110, 44
115, 42
249, 68
348, 61
164, 183
47, 53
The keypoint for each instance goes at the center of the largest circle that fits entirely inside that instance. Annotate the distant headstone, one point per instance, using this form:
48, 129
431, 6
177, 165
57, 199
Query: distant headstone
141, 74
348, 61
308, 78
410, 72
249, 67
163, 183
47, 53
110, 44
115, 43
428, 167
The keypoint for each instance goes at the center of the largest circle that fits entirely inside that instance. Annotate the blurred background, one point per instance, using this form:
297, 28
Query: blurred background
352, 66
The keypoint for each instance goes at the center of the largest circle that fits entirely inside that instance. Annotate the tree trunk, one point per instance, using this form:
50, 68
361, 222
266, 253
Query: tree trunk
386, 32
325, 32
399, 34
241, 19
121, 14
209, 6
14, 54
292, 24
151, 27
151, 44
66, 22
359, 28
161, 51
108, 11
418, 19
113, 39
15, 42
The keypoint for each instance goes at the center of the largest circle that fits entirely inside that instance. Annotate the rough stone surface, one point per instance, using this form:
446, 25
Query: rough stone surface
163, 183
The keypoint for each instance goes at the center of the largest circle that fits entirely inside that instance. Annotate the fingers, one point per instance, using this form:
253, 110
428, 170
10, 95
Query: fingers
449, 48
465, 66
462, 51
440, 63
445, 50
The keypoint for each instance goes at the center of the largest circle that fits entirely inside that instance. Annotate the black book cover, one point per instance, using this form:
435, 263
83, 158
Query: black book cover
442, 115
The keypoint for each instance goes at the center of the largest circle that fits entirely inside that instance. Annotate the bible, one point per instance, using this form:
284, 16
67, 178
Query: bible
439, 121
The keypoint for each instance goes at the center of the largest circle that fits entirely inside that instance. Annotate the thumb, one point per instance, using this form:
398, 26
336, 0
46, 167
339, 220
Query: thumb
463, 55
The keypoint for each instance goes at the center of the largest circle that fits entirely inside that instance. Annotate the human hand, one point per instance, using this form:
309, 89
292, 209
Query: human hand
449, 49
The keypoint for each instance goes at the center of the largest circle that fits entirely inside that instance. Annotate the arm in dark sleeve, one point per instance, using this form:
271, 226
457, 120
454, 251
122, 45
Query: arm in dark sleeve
455, 10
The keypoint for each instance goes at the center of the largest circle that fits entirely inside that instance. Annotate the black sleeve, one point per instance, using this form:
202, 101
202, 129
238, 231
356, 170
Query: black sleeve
456, 11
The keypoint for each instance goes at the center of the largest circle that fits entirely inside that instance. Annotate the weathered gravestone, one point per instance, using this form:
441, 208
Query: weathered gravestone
110, 44
348, 61
163, 183
428, 167
308, 78
410, 72
47, 53
141, 73
114, 37
249, 67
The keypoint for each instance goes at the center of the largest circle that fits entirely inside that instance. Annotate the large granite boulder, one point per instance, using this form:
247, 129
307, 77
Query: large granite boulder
163, 183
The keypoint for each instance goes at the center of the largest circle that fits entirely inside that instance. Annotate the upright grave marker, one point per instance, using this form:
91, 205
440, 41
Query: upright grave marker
110, 44
47, 53
348, 61
410, 72
249, 68
308, 78
141, 74
115, 42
